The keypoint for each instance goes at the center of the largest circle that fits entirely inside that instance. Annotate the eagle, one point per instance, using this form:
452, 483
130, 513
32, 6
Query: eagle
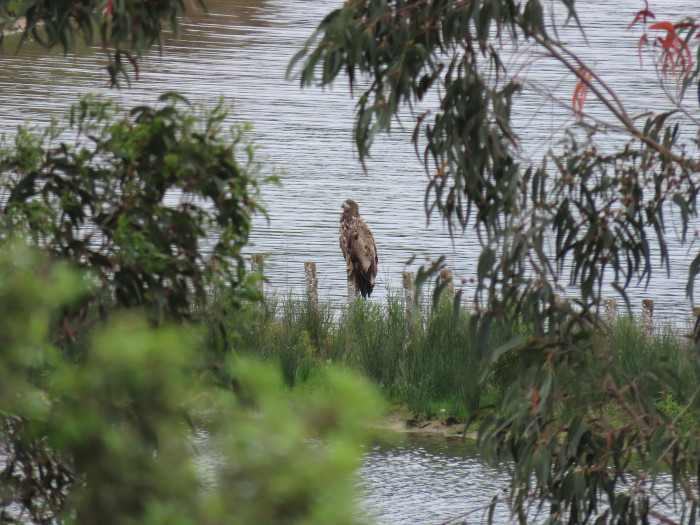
359, 249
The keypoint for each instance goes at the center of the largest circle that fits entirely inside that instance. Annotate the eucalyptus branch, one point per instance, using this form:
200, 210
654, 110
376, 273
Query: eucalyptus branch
618, 112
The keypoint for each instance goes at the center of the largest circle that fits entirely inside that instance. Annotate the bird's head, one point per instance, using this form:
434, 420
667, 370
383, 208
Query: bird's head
351, 206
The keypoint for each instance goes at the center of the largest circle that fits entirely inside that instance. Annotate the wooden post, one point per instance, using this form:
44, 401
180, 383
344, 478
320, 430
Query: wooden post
647, 318
610, 310
446, 276
409, 291
256, 266
695, 334
311, 284
353, 290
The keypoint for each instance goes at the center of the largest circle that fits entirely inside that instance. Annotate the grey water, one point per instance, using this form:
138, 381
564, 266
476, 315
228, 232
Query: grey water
429, 481
240, 50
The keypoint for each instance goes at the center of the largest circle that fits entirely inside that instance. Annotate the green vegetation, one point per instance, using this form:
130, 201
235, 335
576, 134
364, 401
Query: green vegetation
417, 363
431, 361
586, 210
9, 7
139, 430
105, 390
120, 232
130, 197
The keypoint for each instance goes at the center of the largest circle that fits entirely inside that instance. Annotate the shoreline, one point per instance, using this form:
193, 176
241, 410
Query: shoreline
401, 422
16, 26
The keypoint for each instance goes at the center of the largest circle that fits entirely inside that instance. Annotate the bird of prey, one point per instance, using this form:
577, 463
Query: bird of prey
359, 249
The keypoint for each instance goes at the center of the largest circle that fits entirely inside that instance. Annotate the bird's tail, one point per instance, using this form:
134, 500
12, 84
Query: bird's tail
364, 285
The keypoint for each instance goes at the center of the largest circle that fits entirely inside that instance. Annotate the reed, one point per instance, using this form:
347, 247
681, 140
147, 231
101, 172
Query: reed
295, 333
662, 363
432, 359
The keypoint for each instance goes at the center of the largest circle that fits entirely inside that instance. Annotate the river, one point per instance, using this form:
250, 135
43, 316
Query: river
240, 50
428, 480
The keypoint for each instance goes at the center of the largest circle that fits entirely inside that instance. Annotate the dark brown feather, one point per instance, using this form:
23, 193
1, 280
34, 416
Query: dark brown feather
359, 248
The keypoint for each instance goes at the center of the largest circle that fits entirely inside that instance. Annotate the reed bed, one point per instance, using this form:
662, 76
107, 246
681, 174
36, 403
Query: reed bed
429, 360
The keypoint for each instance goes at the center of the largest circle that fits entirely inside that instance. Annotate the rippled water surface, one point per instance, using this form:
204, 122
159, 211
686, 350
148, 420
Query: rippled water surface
240, 50
420, 480
428, 481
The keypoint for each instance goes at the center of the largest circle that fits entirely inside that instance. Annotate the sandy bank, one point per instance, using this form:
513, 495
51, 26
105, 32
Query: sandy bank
402, 422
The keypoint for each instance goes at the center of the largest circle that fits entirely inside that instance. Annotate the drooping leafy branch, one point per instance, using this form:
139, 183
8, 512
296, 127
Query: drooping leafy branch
588, 214
123, 29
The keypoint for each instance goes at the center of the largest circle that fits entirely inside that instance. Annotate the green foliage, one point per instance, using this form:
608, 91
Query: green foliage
418, 362
118, 418
135, 433
124, 29
675, 412
30, 289
658, 363
294, 334
589, 213
372, 339
155, 202
9, 8
293, 466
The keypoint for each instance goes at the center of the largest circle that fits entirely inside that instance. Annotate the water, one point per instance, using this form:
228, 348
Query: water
240, 50
429, 481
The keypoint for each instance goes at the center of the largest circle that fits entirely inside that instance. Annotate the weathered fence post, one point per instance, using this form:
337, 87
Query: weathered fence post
311, 284
256, 266
353, 290
446, 276
409, 291
647, 318
610, 310
695, 326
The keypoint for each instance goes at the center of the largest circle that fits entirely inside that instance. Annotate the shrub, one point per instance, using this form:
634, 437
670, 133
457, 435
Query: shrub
134, 433
156, 201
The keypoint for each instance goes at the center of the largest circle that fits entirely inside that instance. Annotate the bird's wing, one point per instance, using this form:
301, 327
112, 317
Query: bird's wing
345, 238
364, 251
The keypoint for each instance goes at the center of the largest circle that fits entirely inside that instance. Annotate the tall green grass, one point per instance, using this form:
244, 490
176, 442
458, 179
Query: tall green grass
427, 361
294, 332
662, 364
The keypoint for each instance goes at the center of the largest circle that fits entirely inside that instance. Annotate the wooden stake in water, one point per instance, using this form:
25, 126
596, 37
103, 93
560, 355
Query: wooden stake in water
256, 267
695, 334
446, 276
353, 290
610, 310
311, 284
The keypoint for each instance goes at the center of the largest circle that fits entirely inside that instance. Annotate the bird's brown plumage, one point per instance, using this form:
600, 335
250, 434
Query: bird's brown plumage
359, 249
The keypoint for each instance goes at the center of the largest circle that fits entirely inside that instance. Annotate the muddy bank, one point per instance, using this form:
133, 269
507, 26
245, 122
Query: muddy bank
403, 422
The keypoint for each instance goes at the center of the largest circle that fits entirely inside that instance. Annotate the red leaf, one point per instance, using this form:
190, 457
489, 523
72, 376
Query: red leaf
581, 92
642, 15
674, 49
685, 25
668, 26
671, 36
642, 39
